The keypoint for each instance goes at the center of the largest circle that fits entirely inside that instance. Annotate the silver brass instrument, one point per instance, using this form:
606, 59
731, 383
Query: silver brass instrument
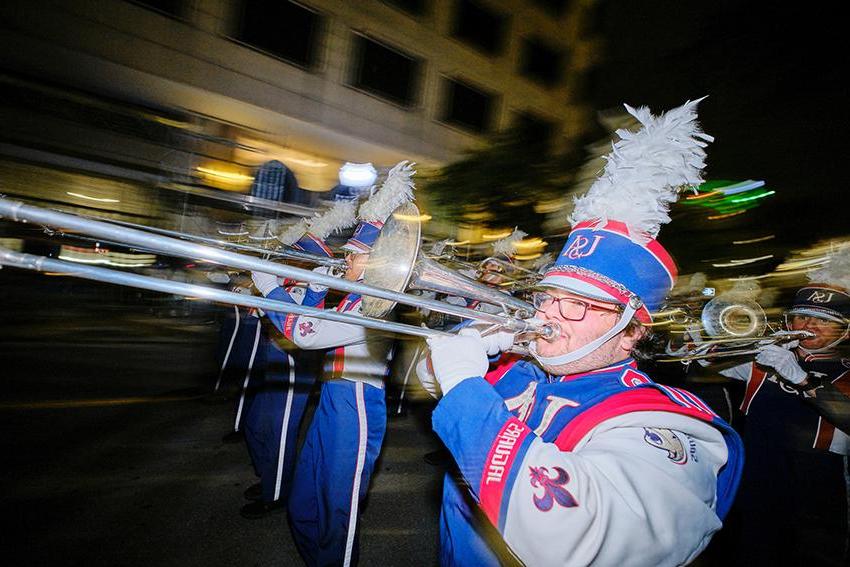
510, 276
734, 328
19, 211
338, 265
396, 263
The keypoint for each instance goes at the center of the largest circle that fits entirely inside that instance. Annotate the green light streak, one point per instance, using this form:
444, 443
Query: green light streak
753, 197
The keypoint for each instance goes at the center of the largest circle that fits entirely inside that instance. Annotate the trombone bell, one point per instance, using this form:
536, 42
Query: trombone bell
396, 264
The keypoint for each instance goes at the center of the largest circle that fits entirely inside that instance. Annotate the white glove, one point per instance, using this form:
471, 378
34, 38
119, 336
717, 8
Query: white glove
265, 283
316, 287
426, 379
456, 358
783, 361
218, 277
495, 341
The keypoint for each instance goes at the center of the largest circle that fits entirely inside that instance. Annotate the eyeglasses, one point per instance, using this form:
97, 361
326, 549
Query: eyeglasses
810, 320
570, 309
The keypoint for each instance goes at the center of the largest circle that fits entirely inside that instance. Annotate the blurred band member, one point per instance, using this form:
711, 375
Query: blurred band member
793, 499
345, 437
275, 413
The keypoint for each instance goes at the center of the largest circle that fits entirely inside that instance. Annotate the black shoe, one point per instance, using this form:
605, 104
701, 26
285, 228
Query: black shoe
254, 492
260, 509
438, 458
233, 437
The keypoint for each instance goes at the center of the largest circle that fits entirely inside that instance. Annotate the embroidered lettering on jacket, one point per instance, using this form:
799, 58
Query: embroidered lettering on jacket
553, 488
523, 403
505, 443
666, 440
553, 406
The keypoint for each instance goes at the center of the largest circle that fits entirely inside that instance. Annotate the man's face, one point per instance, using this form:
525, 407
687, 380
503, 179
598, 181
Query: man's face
826, 332
356, 265
598, 319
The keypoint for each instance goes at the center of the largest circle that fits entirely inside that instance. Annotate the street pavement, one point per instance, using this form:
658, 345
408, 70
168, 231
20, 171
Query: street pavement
112, 450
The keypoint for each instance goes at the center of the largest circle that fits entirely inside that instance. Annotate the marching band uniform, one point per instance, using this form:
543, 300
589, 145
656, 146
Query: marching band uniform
273, 418
563, 460
798, 443
345, 436
241, 361
276, 412
603, 466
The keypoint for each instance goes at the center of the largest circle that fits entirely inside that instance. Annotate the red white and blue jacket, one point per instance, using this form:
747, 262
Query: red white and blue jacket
358, 354
601, 468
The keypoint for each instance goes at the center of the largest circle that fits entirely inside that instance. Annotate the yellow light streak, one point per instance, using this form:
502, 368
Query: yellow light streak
307, 162
752, 240
497, 235
743, 262
529, 244
90, 198
227, 176
420, 218
726, 216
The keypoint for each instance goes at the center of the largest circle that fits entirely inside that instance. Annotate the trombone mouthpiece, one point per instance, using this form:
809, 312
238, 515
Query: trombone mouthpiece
549, 331
538, 329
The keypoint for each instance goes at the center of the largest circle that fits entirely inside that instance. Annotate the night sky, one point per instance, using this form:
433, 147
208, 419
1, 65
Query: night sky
776, 105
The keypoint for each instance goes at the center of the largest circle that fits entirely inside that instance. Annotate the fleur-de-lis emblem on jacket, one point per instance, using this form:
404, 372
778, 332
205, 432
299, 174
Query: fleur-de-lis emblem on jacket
553, 488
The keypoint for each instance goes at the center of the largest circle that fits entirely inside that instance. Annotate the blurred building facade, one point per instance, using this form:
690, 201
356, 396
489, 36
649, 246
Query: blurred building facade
224, 85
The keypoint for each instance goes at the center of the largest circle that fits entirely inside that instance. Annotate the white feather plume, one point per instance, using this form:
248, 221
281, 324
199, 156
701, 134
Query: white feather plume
646, 170
836, 271
396, 190
543, 261
507, 246
340, 215
293, 233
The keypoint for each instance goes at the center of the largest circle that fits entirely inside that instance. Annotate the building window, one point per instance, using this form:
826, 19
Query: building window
541, 63
169, 7
480, 26
283, 29
384, 71
467, 107
535, 129
412, 7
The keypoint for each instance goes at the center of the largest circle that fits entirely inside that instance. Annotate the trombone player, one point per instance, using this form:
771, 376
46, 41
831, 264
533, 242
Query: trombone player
584, 459
344, 439
793, 498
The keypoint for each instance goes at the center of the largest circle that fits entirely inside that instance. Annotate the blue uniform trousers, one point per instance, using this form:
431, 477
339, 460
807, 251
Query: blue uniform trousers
334, 469
243, 360
274, 416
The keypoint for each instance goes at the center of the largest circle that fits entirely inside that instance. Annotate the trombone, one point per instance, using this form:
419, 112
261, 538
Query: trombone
734, 328
514, 316
337, 264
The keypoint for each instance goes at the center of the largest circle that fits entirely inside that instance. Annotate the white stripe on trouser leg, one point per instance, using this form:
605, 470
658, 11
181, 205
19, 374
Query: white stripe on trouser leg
229, 348
290, 391
247, 377
358, 471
